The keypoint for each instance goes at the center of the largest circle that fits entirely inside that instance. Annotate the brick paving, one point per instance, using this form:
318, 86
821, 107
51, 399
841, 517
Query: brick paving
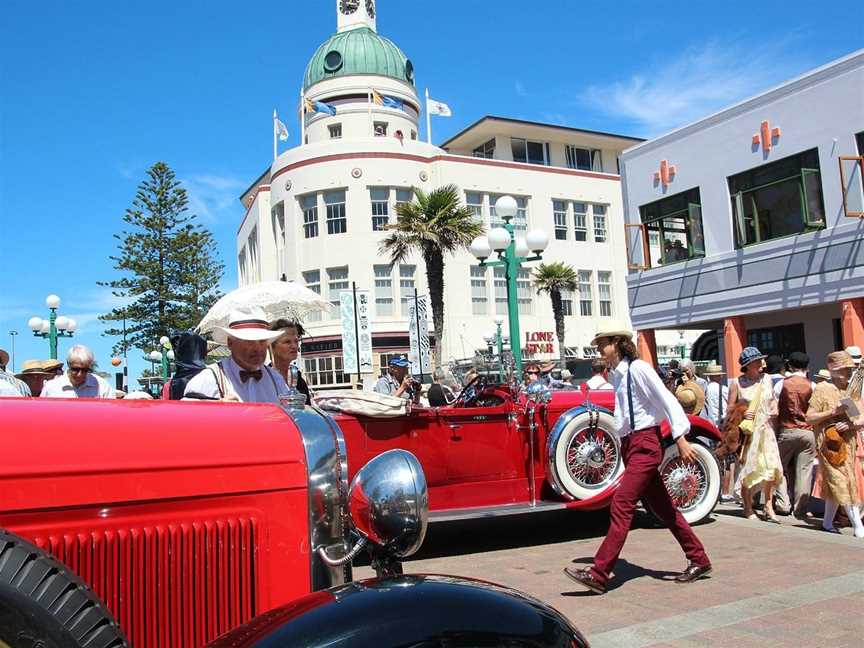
786, 585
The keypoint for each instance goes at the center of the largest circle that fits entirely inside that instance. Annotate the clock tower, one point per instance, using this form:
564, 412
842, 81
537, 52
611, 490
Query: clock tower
355, 13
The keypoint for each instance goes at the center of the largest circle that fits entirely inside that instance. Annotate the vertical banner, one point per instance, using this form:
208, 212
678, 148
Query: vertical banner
356, 332
418, 335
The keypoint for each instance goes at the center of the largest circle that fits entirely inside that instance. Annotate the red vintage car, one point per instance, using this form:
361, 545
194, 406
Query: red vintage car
497, 450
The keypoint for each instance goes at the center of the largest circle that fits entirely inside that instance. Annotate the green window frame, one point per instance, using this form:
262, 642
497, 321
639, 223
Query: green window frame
676, 222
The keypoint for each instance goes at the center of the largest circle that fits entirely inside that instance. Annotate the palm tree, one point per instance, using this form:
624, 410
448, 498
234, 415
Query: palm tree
434, 224
552, 278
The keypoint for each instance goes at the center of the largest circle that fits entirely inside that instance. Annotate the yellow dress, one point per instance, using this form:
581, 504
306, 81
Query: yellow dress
838, 483
761, 456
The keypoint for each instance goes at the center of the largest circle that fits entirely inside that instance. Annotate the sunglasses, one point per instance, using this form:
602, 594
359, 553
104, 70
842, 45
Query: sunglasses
85, 370
533, 373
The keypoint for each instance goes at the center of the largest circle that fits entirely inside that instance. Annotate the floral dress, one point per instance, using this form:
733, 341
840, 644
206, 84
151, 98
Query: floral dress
760, 455
841, 484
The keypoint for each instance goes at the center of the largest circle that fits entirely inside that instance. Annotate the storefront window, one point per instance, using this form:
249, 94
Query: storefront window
674, 228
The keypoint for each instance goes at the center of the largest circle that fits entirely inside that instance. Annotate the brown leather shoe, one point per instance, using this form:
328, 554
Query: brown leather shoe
693, 572
584, 578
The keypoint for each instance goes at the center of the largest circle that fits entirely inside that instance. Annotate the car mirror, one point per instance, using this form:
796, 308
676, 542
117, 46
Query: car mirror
389, 502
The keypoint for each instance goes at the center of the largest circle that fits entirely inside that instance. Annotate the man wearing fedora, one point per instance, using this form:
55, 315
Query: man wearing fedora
34, 374
641, 404
716, 406
244, 376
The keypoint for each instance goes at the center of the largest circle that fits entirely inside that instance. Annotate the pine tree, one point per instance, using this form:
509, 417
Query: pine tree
169, 267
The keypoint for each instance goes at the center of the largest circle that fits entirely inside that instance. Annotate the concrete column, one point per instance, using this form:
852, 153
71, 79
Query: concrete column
646, 344
734, 341
852, 322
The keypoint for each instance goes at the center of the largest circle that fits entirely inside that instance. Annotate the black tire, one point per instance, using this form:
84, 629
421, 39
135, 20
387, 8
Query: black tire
44, 605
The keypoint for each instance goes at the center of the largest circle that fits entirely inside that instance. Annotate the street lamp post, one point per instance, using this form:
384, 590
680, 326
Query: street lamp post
12, 335
512, 252
498, 322
54, 327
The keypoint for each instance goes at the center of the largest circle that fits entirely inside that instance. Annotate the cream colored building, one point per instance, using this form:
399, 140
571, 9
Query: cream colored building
317, 215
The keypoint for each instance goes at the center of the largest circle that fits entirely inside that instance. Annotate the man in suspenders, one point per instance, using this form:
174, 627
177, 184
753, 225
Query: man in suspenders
244, 376
641, 404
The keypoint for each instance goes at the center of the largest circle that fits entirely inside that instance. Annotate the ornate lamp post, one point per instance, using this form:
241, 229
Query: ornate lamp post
54, 327
512, 252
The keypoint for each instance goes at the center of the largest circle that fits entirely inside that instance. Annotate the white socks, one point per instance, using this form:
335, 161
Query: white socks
830, 511
855, 519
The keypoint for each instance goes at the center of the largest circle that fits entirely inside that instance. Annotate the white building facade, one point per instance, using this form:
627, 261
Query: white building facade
319, 214
748, 222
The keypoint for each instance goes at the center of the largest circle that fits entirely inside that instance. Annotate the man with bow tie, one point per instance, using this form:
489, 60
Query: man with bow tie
242, 377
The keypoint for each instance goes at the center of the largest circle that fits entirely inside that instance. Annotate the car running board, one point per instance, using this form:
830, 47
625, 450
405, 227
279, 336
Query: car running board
451, 515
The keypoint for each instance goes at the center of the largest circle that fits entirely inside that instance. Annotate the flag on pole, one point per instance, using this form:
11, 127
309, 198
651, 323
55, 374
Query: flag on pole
386, 100
281, 130
438, 108
320, 106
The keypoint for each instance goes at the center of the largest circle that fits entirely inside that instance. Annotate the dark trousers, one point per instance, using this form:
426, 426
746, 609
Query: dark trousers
643, 452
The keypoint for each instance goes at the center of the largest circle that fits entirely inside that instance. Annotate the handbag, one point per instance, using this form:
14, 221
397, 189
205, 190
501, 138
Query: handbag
834, 447
746, 425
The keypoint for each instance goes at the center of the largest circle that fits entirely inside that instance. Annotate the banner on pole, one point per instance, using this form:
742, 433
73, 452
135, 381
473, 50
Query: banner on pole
356, 332
418, 336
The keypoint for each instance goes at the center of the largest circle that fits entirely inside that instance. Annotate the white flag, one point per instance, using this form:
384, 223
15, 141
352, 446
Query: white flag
438, 108
281, 130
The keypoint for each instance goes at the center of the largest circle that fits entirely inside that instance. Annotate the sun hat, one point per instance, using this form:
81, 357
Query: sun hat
614, 328
52, 366
821, 376
31, 367
399, 361
691, 397
565, 374
714, 369
840, 360
855, 352
748, 355
249, 324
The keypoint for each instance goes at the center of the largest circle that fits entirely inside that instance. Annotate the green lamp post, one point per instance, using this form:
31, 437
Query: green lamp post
54, 327
164, 356
512, 252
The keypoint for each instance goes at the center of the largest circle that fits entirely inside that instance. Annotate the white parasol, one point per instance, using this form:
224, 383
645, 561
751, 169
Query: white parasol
279, 299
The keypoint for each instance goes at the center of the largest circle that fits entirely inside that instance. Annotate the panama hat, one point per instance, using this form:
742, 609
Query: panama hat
714, 369
52, 366
614, 328
821, 376
691, 397
31, 367
248, 324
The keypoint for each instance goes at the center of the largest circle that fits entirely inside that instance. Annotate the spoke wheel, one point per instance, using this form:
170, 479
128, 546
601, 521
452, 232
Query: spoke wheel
592, 457
694, 486
584, 455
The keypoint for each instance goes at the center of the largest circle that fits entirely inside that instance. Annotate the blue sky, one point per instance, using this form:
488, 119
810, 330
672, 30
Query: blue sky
92, 94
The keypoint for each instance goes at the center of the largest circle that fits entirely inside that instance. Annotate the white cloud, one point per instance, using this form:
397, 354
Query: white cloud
211, 196
690, 84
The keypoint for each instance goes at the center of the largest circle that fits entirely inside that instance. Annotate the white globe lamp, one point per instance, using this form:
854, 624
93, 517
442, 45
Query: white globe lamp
171, 356
522, 247
499, 239
62, 323
537, 240
506, 207
155, 356
46, 327
72, 325
52, 301
164, 340
480, 248
35, 324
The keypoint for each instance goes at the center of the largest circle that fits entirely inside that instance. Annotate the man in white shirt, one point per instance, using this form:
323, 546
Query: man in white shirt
9, 384
716, 395
641, 404
243, 377
79, 381
598, 380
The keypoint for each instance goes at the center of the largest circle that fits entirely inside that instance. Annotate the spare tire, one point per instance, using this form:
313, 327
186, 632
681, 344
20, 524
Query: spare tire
584, 453
44, 605
694, 486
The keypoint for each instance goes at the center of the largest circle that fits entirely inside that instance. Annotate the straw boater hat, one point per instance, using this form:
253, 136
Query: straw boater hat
713, 369
840, 360
614, 328
249, 324
53, 367
31, 367
691, 396
822, 375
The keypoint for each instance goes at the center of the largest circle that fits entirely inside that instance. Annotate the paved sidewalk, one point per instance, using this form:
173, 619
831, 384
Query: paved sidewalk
773, 585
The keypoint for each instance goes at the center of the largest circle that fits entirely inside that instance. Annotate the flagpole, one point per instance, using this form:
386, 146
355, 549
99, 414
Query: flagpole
302, 118
428, 120
275, 134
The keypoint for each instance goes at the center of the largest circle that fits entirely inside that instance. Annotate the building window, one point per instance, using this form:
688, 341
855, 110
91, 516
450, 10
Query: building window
406, 286
486, 150
586, 298
325, 372
567, 302
380, 207
309, 205
520, 220
583, 158
778, 199
523, 291
559, 216
474, 202
241, 265
335, 131
336, 220
779, 340
312, 279
413, 135
599, 223
403, 196
383, 290
337, 283
500, 284
479, 295
252, 246
604, 293
277, 216
580, 221
528, 151
380, 129
674, 227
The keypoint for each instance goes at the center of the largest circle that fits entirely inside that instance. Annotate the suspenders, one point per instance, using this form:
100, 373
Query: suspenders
630, 398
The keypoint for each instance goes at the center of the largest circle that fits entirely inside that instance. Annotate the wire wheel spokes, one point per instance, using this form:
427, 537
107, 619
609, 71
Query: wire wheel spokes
592, 457
686, 481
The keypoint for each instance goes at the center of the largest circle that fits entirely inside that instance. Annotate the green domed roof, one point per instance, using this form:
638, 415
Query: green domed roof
358, 51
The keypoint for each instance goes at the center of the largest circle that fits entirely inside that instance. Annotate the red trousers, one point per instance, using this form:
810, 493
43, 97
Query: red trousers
642, 453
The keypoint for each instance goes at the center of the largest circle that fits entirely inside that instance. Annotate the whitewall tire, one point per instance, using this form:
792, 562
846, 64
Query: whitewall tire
585, 459
694, 486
